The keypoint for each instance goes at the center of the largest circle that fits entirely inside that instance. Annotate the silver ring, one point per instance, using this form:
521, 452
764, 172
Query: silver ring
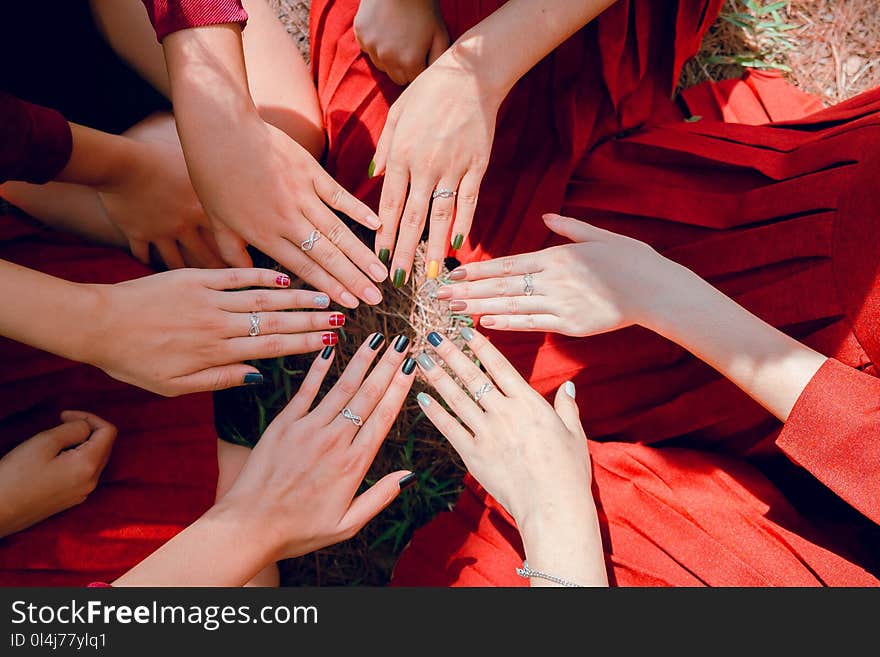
485, 389
528, 285
309, 244
355, 419
255, 325
444, 193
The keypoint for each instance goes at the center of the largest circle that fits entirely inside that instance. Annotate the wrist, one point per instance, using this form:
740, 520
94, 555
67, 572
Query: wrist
93, 314
467, 57
97, 158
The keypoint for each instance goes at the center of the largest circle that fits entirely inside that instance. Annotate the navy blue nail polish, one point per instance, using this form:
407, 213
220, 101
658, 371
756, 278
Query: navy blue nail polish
435, 338
253, 379
326, 353
408, 481
377, 341
409, 366
401, 343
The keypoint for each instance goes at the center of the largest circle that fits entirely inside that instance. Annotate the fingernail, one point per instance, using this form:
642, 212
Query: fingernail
377, 341
373, 222
457, 274
457, 306
330, 339
487, 321
425, 362
401, 343
570, 389
443, 293
322, 300
458, 241
433, 269
435, 338
378, 272
408, 481
385, 256
326, 353
409, 366
423, 399
399, 277
371, 170
283, 281
253, 379
337, 320
372, 296
467, 333
349, 300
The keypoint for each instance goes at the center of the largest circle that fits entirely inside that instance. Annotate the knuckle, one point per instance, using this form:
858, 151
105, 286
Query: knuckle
441, 214
512, 306
261, 301
336, 232
468, 199
385, 415
308, 269
413, 219
348, 387
233, 279
274, 346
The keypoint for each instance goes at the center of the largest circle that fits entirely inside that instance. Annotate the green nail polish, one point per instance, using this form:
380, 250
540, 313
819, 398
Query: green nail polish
399, 277
384, 256
458, 241
371, 171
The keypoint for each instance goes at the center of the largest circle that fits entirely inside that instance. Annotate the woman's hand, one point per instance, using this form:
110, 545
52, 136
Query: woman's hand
438, 138
530, 456
602, 282
401, 37
190, 330
53, 471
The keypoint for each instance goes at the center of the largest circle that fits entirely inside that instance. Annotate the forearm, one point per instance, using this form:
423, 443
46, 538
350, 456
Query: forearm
97, 158
768, 365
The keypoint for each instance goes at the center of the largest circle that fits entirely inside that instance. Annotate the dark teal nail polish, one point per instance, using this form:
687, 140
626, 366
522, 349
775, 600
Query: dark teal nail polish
384, 256
458, 241
408, 481
377, 341
253, 379
401, 343
399, 277
326, 353
435, 338
409, 366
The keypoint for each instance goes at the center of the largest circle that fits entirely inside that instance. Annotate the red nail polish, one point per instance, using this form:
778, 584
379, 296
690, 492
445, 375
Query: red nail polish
283, 281
337, 320
457, 306
330, 339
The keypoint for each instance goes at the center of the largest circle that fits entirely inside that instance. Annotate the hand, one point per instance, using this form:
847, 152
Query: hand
401, 37
530, 456
184, 331
54, 470
438, 136
298, 486
602, 282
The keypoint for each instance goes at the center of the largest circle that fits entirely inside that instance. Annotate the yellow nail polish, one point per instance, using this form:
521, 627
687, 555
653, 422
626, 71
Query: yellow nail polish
433, 269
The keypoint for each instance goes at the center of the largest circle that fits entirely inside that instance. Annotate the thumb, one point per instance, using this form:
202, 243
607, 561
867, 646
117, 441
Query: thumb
232, 248
567, 409
439, 44
102, 435
64, 436
368, 504
575, 229
218, 378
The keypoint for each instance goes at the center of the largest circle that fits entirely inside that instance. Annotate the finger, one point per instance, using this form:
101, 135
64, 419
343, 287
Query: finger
237, 279
275, 346
475, 381
371, 502
310, 270
373, 389
412, 224
239, 324
335, 195
197, 252
439, 44
398, 76
498, 367
502, 268
457, 435
503, 306
269, 300
466, 206
217, 378
140, 250
390, 207
302, 401
575, 230
169, 251
457, 399
412, 66
233, 249
349, 383
490, 288
568, 410
442, 214
529, 323
371, 435
383, 147
100, 441
64, 436
346, 241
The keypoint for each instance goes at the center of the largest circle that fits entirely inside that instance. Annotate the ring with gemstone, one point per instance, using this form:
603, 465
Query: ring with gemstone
354, 419
254, 330
528, 285
444, 193
309, 244
485, 389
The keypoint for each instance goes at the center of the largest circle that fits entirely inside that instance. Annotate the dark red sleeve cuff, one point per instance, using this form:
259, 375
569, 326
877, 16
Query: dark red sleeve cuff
35, 142
169, 16
834, 432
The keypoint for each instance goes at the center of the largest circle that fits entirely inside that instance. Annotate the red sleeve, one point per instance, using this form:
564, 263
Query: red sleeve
169, 16
35, 142
834, 432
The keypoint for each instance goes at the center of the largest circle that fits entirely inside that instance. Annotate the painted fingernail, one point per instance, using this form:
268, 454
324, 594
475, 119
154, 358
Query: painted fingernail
409, 366
349, 300
377, 341
378, 272
372, 296
570, 389
443, 293
467, 333
408, 481
321, 300
433, 269
371, 170
326, 353
330, 339
399, 277
283, 281
435, 338
337, 320
487, 321
423, 399
457, 274
458, 241
457, 306
401, 343
385, 256
425, 362
253, 379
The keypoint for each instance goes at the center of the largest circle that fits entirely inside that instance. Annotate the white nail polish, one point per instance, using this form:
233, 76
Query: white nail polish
570, 389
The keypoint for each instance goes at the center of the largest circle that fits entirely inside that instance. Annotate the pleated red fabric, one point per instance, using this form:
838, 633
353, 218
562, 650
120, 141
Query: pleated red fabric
162, 473
771, 214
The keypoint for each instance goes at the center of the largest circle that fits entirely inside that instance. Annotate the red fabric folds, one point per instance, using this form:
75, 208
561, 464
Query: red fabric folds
35, 142
169, 16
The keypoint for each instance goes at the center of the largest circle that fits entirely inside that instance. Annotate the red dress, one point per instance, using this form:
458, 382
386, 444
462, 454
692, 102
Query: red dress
771, 215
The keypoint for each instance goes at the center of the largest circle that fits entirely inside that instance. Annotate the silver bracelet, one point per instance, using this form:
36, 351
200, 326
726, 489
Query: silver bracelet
527, 572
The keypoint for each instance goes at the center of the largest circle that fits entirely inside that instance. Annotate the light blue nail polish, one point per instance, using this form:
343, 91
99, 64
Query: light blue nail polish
570, 389
467, 333
425, 362
322, 300
423, 399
